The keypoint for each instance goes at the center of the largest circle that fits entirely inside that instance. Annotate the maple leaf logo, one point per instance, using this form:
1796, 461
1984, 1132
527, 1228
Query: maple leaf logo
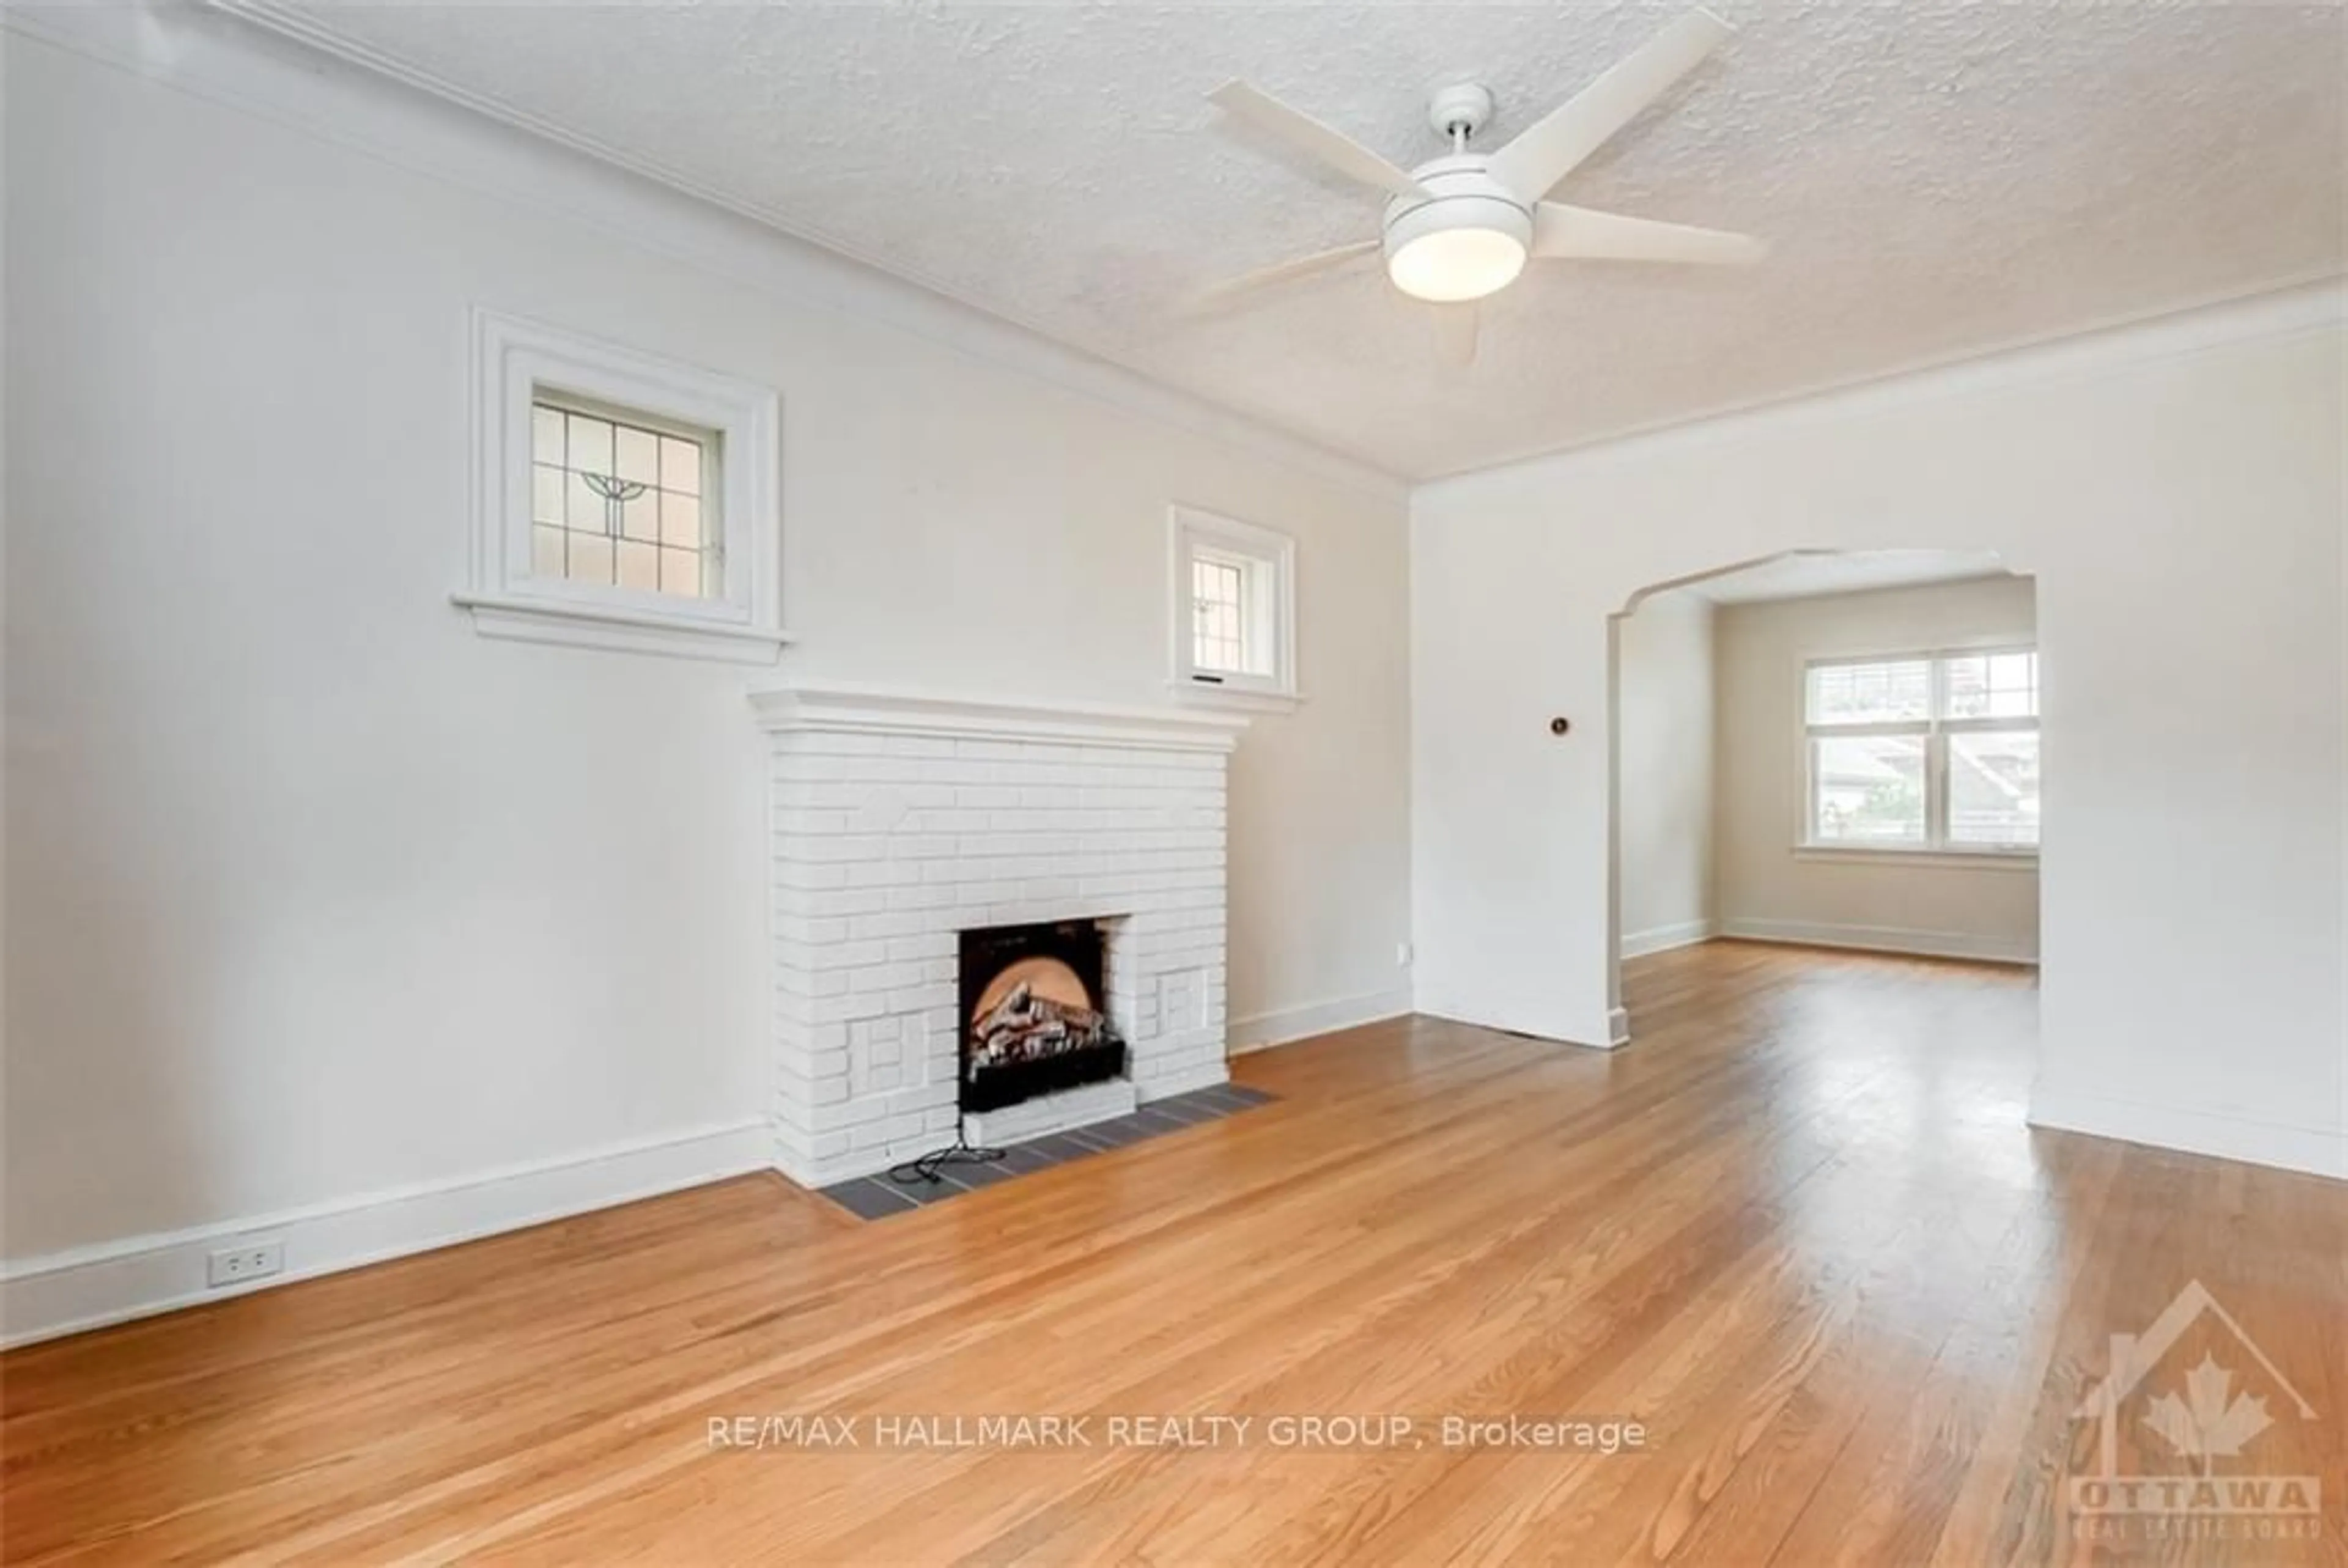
2207, 1422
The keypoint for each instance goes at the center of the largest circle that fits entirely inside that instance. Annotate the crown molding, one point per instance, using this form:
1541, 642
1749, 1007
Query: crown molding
266, 60
843, 707
2290, 309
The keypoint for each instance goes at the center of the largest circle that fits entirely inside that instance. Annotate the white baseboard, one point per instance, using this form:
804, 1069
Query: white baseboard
1663, 938
2309, 1149
91, 1286
1263, 1030
1883, 939
1597, 1034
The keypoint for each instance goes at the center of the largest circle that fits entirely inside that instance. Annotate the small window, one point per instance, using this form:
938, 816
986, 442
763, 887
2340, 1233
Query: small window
622, 502
1234, 607
1931, 752
618, 501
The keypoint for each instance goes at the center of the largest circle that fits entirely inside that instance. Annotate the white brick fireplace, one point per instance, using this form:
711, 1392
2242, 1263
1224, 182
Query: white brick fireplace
900, 819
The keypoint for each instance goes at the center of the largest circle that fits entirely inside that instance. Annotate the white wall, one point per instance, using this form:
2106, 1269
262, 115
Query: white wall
1663, 673
2176, 490
315, 895
1987, 908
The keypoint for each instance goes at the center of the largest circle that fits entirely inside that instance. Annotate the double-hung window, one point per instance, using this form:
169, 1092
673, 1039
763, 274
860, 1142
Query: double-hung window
1923, 752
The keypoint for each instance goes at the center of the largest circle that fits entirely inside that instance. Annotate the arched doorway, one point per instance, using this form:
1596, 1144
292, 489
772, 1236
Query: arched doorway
1827, 748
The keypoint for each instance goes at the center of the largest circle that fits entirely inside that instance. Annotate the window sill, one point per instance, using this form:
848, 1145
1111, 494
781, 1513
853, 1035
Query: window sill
1950, 859
1245, 699
619, 631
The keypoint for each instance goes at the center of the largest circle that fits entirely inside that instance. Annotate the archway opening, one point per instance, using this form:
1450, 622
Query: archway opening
1827, 750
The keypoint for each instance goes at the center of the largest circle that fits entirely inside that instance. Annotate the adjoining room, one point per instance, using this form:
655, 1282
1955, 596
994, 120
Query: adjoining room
1836, 749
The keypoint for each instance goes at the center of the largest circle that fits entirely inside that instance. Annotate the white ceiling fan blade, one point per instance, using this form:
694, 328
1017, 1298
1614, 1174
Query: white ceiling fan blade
1301, 131
1283, 272
1456, 330
1547, 152
1579, 233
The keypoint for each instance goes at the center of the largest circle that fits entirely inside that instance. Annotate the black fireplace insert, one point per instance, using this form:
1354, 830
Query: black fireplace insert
1033, 1015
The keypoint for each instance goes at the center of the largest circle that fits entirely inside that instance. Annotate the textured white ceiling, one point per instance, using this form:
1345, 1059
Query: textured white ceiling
1803, 573
1938, 178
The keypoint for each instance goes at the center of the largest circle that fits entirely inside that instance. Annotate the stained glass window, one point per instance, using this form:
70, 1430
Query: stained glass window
615, 503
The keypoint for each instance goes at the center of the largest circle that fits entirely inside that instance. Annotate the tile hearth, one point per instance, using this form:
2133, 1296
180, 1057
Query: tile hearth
878, 1197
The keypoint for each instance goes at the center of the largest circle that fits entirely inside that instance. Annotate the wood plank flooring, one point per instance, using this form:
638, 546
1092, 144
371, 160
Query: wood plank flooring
1797, 1230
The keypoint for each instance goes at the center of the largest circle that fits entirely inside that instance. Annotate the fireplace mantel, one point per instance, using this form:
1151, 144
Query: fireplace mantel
850, 707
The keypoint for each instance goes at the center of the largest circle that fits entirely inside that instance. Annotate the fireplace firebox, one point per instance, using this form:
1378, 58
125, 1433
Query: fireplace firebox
1033, 1017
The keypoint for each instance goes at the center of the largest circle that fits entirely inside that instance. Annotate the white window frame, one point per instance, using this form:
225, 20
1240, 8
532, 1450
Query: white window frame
514, 361
1270, 559
1934, 729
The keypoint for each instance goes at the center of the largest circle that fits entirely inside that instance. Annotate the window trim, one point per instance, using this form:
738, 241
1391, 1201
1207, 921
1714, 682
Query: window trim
1936, 847
514, 361
1191, 532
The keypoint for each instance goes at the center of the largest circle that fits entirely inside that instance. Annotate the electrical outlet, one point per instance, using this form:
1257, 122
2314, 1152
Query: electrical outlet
241, 1265
1403, 955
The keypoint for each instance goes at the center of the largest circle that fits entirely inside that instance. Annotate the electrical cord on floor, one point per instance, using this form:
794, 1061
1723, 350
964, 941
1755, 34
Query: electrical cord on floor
961, 1151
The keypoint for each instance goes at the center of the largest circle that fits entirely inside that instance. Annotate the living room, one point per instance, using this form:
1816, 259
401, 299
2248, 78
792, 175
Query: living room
700, 729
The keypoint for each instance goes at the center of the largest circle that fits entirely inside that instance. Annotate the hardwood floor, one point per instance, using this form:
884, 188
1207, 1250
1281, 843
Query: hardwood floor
1798, 1230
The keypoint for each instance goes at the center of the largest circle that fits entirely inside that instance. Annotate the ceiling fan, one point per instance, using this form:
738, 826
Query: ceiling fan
1462, 226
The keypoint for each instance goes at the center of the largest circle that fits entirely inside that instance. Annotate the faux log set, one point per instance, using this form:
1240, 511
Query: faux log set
1025, 1027
1033, 1021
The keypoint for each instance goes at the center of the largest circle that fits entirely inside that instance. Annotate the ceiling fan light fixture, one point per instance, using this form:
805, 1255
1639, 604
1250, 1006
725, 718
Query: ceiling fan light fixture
1462, 226
1457, 249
